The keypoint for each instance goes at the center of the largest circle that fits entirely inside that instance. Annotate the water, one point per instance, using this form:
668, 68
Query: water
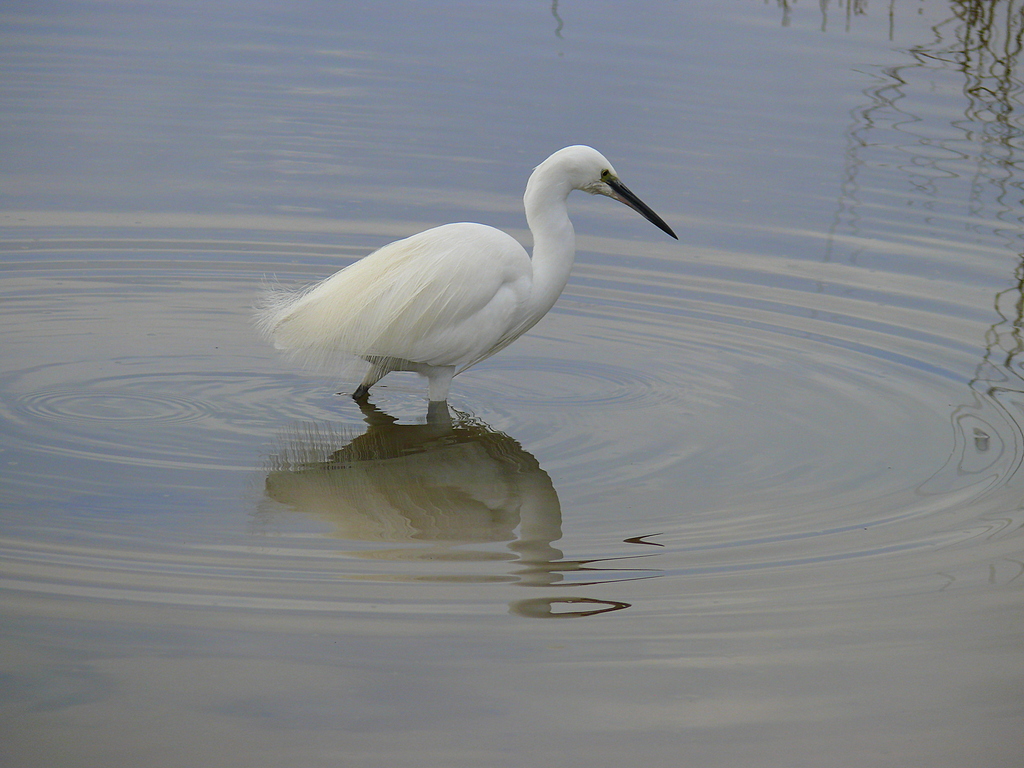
752, 498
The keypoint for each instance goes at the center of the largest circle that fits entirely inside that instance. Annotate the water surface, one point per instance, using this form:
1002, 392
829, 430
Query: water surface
752, 498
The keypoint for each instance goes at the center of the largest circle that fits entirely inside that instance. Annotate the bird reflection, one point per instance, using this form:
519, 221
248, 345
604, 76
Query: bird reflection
450, 487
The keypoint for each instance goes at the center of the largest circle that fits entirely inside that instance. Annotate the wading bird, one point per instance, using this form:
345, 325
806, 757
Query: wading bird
443, 300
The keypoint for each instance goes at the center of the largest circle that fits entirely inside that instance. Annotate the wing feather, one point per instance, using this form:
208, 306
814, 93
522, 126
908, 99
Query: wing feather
445, 296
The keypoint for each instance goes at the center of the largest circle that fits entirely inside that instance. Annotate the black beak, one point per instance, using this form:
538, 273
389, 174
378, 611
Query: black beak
621, 193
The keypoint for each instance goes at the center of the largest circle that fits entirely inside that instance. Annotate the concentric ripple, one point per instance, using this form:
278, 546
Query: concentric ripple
557, 382
70, 407
161, 418
752, 414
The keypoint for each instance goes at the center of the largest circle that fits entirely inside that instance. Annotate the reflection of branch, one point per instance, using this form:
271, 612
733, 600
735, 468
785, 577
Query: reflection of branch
986, 48
883, 99
988, 440
982, 41
898, 139
998, 370
851, 7
558, 19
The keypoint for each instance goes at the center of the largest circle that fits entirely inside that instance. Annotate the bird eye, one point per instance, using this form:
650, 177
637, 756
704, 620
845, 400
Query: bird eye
605, 175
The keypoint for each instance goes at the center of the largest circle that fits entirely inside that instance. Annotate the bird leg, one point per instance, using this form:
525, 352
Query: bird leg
379, 368
439, 381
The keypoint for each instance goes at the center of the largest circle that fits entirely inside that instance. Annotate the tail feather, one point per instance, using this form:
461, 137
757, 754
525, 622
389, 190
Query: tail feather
272, 304
279, 318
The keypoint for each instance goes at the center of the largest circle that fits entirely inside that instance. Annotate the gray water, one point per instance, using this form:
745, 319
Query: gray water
749, 498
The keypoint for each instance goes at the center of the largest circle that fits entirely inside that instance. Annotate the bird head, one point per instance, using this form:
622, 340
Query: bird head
588, 170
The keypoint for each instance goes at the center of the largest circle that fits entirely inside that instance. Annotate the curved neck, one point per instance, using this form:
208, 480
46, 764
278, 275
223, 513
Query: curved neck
554, 240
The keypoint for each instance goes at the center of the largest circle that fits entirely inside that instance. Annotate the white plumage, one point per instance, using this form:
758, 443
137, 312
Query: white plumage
445, 299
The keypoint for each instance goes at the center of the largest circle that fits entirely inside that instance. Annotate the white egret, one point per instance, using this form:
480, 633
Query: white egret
443, 300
